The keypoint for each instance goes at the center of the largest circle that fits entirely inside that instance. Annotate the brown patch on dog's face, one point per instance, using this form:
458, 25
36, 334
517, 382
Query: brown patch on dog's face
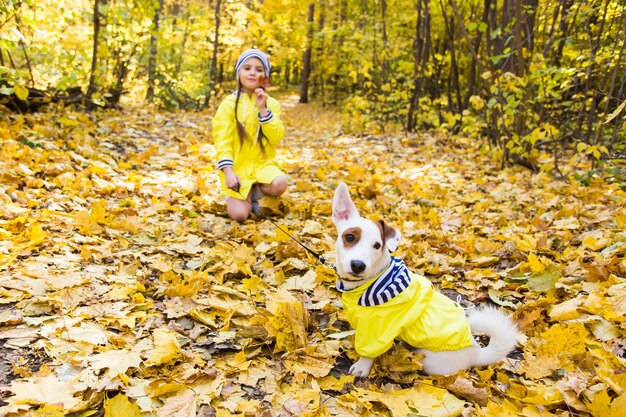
351, 237
386, 232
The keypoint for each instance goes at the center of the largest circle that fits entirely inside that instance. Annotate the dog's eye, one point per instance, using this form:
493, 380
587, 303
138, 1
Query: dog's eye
349, 237
377, 245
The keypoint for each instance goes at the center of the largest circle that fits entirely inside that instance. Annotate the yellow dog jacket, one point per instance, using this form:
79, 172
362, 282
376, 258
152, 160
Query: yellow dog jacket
400, 304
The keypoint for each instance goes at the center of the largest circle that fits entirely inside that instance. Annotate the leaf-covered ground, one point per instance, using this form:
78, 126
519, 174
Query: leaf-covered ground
125, 291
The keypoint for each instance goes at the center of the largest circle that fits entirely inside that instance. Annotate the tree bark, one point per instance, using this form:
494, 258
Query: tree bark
306, 60
91, 89
181, 51
421, 46
153, 51
216, 43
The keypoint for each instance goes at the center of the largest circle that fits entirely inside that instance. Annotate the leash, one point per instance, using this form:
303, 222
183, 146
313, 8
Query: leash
316, 255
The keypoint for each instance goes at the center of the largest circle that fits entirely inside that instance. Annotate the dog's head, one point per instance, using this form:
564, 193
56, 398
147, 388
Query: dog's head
363, 246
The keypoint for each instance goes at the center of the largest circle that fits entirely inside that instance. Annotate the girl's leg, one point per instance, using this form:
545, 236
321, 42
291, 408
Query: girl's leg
237, 209
276, 187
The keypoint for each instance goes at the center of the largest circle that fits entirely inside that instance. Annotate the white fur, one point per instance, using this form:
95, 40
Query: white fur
501, 330
502, 334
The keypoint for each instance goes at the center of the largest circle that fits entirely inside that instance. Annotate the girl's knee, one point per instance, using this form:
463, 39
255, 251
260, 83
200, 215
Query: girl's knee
278, 186
238, 215
238, 212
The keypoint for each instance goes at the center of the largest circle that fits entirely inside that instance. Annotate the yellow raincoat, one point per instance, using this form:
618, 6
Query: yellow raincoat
418, 315
248, 161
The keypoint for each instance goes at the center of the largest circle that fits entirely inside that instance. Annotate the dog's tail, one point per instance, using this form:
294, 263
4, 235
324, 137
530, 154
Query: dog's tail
502, 334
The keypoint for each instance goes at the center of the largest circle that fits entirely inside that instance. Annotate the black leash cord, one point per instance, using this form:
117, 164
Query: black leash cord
317, 256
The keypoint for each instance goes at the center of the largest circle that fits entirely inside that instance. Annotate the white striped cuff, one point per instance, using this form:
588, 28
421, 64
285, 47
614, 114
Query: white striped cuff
267, 118
224, 163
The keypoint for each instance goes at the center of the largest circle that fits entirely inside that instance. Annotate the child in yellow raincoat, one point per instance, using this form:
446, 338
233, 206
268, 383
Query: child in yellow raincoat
246, 130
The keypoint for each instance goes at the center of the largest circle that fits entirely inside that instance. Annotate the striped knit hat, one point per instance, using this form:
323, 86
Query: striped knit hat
253, 53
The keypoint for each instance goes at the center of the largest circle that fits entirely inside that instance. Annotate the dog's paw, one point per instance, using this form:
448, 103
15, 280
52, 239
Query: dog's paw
362, 367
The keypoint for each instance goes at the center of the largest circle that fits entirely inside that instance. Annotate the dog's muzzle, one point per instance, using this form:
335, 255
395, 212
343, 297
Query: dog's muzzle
357, 267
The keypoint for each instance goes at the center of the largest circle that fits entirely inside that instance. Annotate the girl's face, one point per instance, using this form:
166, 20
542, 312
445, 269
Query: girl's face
252, 75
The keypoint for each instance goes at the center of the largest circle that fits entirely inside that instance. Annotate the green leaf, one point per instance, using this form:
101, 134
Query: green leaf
21, 92
617, 111
543, 282
7, 91
496, 297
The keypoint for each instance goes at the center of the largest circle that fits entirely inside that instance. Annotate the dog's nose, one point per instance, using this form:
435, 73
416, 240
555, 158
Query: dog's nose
357, 266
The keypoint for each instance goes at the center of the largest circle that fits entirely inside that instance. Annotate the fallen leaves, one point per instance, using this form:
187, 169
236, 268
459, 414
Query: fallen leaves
124, 286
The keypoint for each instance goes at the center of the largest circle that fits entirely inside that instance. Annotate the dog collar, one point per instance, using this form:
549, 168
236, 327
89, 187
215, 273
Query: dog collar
391, 282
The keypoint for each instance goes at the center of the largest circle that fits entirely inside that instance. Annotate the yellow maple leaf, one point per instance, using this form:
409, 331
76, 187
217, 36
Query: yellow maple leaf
602, 406
423, 399
86, 224
162, 387
620, 218
595, 241
166, 348
566, 339
239, 361
526, 243
46, 390
557, 347
331, 382
567, 310
117, 361
288, 325
120, 406
304, 364
49, 410
534, 263
99, 212
35, 234
617, 298
181, 405
204, 316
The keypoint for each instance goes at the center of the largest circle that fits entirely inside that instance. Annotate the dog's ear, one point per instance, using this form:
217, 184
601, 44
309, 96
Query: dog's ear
343, 207
390, 235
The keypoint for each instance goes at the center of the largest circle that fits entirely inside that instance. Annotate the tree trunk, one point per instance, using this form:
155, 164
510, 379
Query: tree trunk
563, 29
595, 45
153, 51
306, 60
383, 17
320, 84
213, 68
181, 51
421, 48
94, 55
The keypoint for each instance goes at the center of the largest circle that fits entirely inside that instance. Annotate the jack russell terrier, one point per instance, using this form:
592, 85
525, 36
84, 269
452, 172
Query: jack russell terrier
384, 301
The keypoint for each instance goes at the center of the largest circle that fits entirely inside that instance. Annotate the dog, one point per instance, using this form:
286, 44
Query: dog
383, 301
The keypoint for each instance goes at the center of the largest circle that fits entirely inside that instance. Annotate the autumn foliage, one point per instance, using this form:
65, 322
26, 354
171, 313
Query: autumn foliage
490, 132
126, 291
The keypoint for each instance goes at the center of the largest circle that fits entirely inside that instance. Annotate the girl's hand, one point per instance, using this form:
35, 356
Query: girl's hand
232, 180
261, 100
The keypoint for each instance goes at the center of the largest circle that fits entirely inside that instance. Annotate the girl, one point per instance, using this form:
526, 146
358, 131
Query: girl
246, 130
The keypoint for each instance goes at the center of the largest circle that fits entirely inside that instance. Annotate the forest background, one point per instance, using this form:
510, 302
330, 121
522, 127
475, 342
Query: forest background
524, 76
491, 132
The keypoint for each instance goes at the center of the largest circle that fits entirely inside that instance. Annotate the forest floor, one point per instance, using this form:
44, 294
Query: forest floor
126, 291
